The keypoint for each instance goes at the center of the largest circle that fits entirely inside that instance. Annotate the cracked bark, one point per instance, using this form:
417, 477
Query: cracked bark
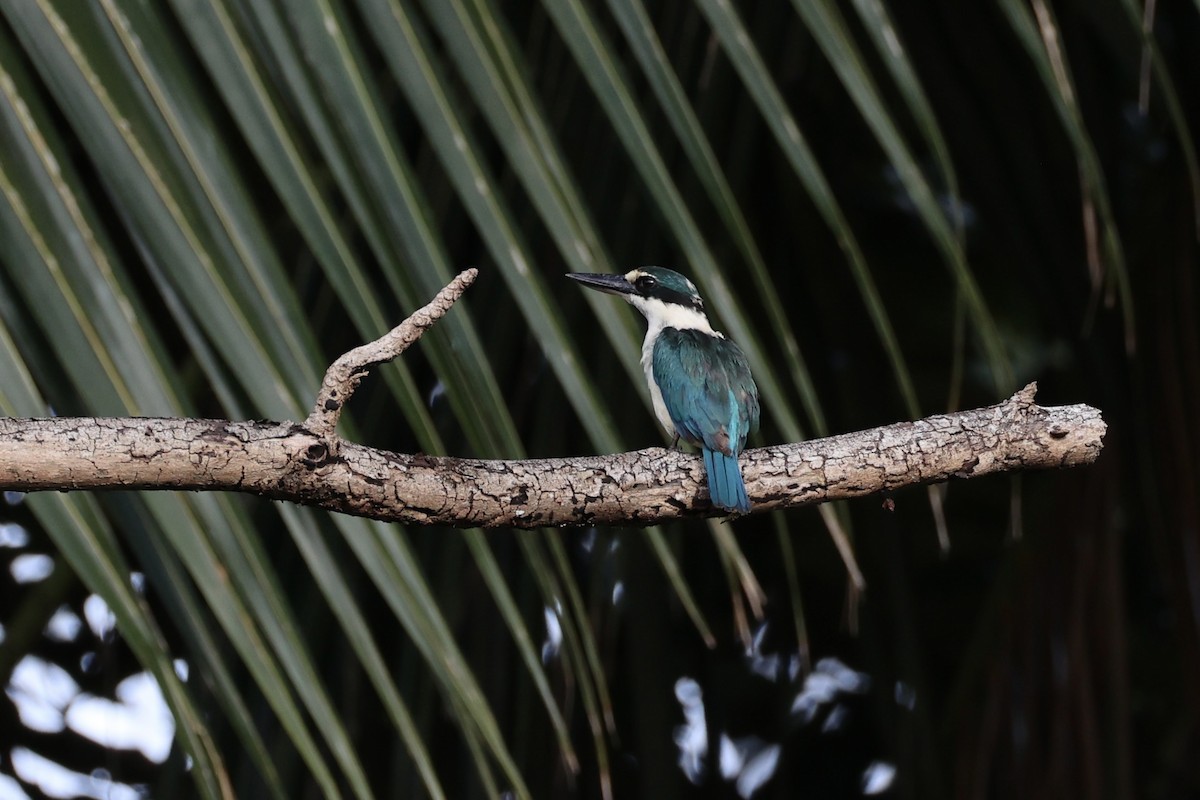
307, 463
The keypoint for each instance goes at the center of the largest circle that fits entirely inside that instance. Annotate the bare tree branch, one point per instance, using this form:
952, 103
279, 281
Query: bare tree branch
343, 375
307, 463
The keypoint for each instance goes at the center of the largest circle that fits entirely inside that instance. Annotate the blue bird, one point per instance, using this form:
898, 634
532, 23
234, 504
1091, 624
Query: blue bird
700, 382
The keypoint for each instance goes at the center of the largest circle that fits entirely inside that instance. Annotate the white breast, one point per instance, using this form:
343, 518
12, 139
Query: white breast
660, 408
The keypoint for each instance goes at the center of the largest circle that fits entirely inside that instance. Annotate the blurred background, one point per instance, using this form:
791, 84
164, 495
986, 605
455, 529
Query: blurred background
897, 209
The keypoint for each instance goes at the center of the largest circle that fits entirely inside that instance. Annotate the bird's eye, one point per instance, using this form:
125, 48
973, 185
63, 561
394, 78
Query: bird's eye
645, 283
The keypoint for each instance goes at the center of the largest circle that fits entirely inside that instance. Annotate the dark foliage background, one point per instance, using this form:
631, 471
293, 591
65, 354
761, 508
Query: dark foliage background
897, 209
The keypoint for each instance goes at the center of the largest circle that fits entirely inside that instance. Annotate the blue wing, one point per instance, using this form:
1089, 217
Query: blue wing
708, 391
707, 388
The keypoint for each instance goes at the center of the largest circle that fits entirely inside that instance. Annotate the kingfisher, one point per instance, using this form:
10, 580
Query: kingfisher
700, 382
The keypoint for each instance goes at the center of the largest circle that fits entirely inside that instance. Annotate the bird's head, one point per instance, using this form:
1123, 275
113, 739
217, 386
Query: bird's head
662, 295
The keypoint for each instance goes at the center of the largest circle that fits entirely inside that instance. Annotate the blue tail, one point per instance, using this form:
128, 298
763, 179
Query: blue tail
725, 485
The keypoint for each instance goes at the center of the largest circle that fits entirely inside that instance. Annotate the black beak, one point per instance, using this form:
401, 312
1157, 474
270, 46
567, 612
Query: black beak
611, 284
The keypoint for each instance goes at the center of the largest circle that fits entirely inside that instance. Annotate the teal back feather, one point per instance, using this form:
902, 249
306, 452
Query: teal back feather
707, 387
708, 391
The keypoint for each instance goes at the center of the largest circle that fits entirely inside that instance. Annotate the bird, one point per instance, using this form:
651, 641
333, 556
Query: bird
700, 381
